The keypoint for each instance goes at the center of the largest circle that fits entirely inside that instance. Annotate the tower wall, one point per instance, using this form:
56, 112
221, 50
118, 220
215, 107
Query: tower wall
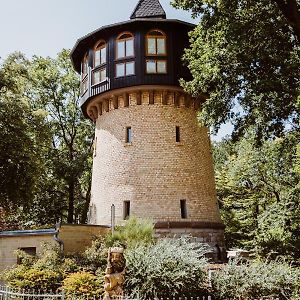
154, 172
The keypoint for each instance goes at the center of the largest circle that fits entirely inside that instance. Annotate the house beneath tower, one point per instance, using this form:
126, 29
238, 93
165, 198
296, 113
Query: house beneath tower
152, 159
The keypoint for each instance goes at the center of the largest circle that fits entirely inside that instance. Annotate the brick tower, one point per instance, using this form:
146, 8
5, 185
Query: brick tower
152, 159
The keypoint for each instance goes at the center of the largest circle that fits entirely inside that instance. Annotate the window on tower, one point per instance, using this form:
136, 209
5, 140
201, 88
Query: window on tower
84, 74
125, 65
126, 213
99, 70
156, 52
125, 45
128, 135
183, 209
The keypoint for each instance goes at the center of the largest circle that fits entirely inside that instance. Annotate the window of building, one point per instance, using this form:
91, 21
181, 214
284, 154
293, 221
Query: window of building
126, 210
125, 45
99, 75
156, 43
183, 209
128, 135
125, 69
99, 71
84, 74
156, 52
156, 66
177, 134
100, 54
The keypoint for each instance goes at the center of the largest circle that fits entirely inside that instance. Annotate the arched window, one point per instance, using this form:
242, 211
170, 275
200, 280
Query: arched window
84, 74
99, 71
100, 54
125, 55
156, 43
125, 45
156, 52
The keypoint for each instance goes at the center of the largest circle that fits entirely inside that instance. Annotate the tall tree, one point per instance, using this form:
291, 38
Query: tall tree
245, 56
23, 137
56, 86
259, 193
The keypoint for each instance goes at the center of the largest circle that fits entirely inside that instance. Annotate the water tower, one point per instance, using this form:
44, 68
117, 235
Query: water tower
152, 159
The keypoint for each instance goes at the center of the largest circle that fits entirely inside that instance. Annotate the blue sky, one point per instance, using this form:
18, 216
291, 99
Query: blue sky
44, 27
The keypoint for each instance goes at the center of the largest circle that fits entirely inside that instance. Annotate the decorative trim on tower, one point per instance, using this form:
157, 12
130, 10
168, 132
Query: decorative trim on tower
148, 9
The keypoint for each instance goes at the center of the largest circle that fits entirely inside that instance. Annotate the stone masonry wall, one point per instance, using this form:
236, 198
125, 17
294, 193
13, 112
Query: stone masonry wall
154, 172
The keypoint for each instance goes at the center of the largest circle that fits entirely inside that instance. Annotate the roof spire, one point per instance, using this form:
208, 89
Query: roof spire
148, 9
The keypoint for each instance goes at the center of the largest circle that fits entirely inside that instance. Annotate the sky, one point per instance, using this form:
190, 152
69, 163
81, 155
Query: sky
45, 27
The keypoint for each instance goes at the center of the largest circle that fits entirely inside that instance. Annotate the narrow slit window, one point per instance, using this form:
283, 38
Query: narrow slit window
128, 135
177, 134
126, 209
183, 209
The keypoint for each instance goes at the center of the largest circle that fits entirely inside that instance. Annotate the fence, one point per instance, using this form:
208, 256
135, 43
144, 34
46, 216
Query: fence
7, 293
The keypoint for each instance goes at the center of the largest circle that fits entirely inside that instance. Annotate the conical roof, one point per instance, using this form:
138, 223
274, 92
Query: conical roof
148, 9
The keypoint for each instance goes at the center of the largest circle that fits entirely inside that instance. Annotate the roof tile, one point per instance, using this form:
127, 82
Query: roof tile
148, 9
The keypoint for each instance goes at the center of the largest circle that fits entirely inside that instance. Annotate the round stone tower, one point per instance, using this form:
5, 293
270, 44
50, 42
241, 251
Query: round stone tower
152, 159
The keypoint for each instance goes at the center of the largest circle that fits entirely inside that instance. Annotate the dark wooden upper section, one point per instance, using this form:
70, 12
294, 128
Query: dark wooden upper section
176, 40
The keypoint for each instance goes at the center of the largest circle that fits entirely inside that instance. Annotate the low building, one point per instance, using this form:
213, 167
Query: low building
70, 237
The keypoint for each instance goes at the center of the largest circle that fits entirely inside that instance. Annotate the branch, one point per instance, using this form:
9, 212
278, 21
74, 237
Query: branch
290, 10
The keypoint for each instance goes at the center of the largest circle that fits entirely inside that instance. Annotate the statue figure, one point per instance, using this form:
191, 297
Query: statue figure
115, 274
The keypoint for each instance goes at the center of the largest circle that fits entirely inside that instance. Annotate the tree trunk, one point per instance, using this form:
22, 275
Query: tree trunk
83, 217
71, 192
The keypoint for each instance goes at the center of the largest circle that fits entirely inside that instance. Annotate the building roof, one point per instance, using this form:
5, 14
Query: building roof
148, 9
13, 233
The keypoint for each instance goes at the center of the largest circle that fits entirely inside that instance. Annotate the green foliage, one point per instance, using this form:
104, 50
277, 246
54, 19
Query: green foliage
95, 257
258, 192
44, 272
134, 232
245, 56
254, 280
23, 278
169, 268
45, 143
83, 284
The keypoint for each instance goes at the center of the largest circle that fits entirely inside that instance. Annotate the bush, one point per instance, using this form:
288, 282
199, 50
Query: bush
135, 232
23, 278
45, 272
166, 269
83, 284
254, 280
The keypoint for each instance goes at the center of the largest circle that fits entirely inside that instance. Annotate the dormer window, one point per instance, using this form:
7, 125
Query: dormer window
99, 71
84, 74
156, 52
125, 45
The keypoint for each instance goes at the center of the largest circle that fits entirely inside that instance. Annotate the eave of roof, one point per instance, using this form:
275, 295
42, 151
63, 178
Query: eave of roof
13, 233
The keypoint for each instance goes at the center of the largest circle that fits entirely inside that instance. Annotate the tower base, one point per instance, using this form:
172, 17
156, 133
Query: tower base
208, 233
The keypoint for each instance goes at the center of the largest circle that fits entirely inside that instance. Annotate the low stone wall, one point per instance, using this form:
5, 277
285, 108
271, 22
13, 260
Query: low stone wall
76, 238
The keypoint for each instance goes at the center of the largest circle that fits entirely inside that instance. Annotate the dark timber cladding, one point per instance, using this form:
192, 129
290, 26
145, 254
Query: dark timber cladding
147, 17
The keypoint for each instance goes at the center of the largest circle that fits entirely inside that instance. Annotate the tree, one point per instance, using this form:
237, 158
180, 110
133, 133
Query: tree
245, 56
258, 191
56, 86
45, 146
23, 136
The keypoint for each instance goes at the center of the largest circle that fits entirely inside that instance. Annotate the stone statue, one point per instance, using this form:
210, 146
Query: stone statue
115, 274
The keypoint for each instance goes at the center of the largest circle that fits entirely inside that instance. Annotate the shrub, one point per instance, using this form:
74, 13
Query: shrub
254, 280
23, 278
169, 268
94, 259
83, 284
135, 232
